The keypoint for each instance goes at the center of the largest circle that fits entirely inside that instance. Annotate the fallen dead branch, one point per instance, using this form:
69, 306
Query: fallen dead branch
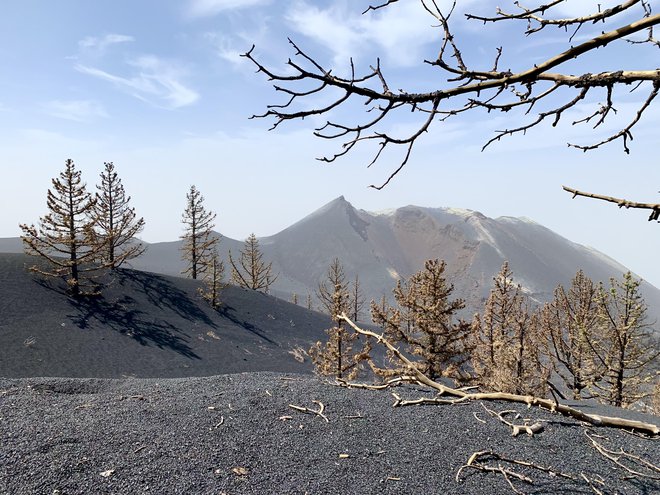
307, 410
398, 401
393, 382
464, 396
637, 465
478, 461
516, 430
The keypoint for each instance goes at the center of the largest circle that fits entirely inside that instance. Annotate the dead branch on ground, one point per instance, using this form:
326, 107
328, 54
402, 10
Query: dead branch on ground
531, 430
459, 395
478, 461
307, 410
618, 457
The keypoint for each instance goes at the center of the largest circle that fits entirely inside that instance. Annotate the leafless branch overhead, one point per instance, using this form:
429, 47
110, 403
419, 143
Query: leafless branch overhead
621, 203
545, 85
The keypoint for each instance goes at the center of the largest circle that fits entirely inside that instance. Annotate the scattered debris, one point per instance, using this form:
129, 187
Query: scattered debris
108, 473
307, 410
240, 471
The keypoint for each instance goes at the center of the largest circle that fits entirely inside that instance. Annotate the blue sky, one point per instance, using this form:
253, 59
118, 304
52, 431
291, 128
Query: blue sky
157, 87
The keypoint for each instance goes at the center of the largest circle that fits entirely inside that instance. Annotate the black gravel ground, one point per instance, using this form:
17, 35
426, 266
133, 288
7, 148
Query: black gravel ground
236, 434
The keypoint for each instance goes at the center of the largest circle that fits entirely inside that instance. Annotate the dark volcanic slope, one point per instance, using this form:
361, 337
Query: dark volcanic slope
236, 434
144, 325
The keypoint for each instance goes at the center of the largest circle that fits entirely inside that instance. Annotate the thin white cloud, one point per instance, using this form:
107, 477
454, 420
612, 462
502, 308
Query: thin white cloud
156, 81
225, 47
399, 33
101, 43
77, 110
208, 8
583, 7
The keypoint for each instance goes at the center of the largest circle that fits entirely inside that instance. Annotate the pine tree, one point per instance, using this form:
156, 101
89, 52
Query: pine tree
310, 306
294, 298
251, 271
569, 323
508, 345
336, 356
424, 322
64, 237
627, 347
199, 240
213, 276
655, 397
115, 222
357, 300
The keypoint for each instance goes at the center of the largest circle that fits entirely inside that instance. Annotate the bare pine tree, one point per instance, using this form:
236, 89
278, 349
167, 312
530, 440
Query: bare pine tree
570, 323
336, 356
655, 398
357, 300
424, 322
294, 298
508, 343
199, 240
115, 222
250, 271
627, 348
213, 277
310, 306
64, 237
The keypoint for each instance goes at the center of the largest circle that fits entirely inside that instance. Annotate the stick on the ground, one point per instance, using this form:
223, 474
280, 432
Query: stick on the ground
617, 457
516, 430
307, 410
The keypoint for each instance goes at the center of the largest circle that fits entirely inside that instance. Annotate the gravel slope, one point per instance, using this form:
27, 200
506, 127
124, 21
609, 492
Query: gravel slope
236, 434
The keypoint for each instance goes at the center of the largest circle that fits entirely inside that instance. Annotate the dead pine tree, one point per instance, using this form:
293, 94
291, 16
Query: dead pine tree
310, 306
64, 237
627, 348
294, 298
212, 277
424, 323
250, 271
569, 324
357, 299
115, 222
336, 356
508, 345
199, 240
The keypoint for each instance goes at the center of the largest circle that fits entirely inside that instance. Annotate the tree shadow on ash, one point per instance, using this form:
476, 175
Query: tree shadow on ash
122, 317
228, 312
164, 295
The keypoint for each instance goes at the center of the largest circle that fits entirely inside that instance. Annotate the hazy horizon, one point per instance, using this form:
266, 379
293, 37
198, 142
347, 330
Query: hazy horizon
159, 88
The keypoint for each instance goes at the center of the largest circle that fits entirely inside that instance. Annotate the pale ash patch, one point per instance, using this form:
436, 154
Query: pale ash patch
526, 220
459, 212
605, 259
483, 235
390, 212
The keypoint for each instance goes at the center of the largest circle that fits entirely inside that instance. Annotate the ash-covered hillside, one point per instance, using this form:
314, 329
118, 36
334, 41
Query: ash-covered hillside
145, 325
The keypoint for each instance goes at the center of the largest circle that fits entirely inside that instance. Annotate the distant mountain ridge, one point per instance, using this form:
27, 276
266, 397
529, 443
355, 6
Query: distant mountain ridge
381, 247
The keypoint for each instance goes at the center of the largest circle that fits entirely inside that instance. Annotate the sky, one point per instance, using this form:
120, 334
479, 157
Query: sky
159, 88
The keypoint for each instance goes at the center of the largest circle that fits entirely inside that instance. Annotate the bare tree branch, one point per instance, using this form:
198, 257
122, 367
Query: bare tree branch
469, 88
464, 396
621, 203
